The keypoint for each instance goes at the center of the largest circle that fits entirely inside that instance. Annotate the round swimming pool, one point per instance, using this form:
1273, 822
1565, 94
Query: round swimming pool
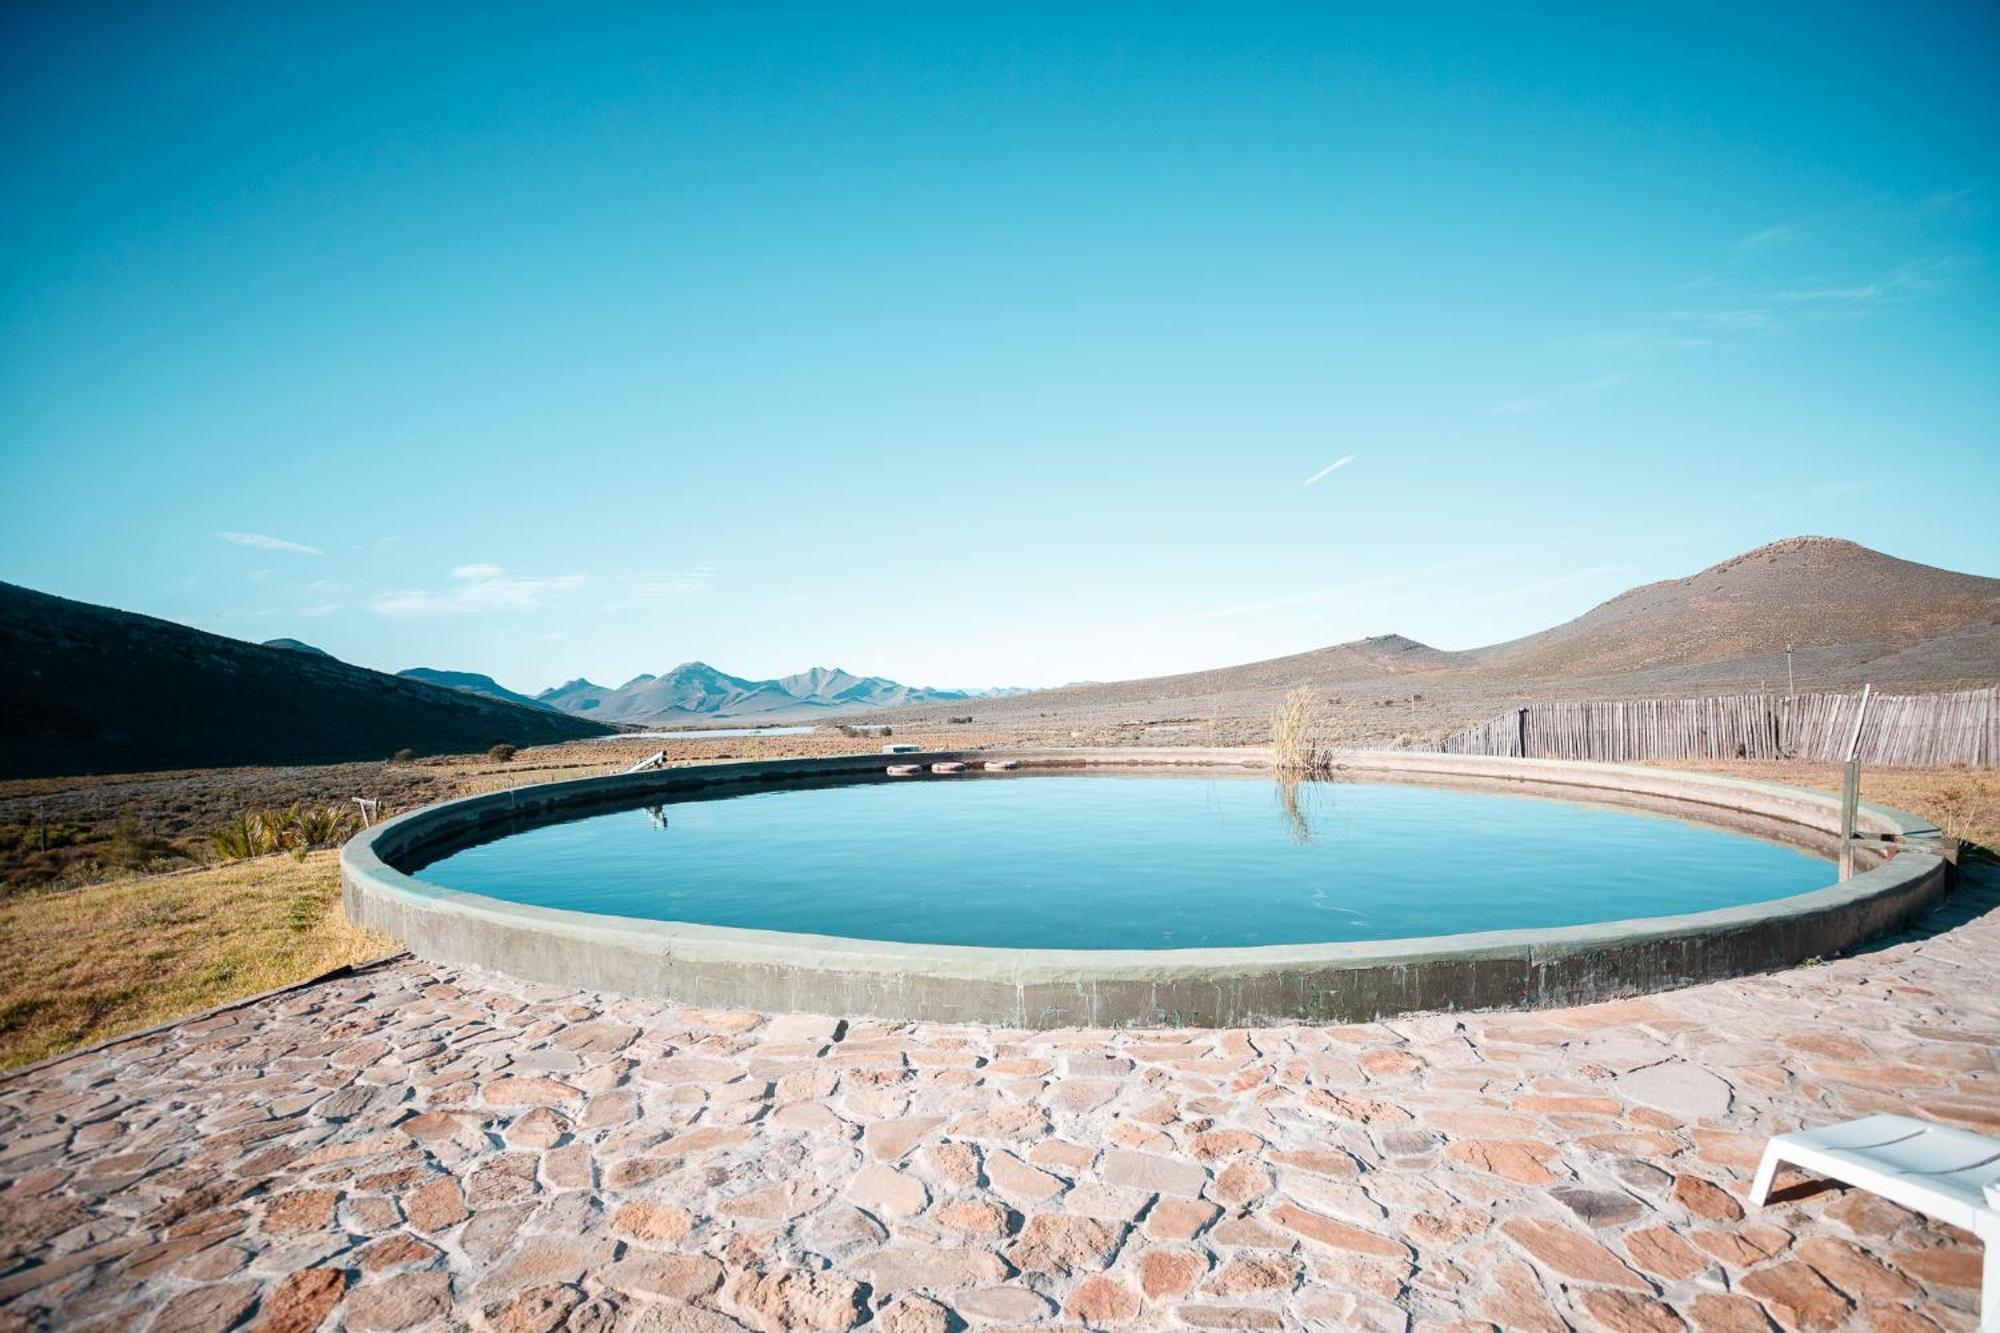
1113, 861
1161, 887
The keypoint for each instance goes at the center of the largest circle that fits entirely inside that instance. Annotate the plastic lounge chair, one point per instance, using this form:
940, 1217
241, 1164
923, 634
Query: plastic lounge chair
1950, 1174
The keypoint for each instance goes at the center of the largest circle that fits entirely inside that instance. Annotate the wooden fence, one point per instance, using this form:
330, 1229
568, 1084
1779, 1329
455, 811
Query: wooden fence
1911, 730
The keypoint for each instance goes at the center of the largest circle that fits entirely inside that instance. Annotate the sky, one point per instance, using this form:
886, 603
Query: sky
979, 345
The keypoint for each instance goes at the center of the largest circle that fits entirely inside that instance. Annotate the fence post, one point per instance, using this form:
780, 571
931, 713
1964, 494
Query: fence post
1850, 791
1521, 733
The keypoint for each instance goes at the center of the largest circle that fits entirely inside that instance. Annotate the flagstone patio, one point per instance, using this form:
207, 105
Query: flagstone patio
423, 1147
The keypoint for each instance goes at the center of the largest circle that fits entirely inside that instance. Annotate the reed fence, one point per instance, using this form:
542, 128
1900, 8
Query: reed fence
1918, 730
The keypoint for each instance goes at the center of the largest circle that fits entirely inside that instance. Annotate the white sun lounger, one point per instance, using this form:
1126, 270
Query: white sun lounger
1950, 1174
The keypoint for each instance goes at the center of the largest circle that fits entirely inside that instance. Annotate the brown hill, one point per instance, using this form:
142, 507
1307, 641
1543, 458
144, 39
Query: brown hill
86, 689
1815, 593
1851, 614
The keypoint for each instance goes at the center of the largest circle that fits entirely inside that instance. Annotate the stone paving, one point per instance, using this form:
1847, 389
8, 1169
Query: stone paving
417, 1147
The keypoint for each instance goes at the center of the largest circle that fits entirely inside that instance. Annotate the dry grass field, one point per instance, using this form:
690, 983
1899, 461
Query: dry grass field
1965, 803
90, 963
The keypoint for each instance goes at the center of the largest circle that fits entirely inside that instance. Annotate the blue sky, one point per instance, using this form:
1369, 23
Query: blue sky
979, 345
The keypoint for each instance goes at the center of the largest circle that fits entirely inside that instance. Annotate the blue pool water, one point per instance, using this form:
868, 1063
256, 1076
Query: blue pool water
1128, 862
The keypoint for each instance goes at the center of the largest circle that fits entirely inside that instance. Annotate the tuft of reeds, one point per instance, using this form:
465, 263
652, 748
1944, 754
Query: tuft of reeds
1299, 735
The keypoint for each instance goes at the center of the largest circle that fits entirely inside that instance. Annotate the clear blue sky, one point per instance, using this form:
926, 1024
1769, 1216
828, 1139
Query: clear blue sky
979, 345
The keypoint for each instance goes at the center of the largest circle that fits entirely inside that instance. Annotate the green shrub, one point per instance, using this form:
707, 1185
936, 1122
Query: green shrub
297, 830
501, 753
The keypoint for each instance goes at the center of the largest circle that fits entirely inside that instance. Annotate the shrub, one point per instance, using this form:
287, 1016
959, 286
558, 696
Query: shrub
501, 753
959, 721
403, 756
297, 830
243, 837
133, 848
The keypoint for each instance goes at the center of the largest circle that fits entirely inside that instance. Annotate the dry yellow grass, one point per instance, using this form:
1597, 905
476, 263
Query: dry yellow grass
1964, 802
95, 962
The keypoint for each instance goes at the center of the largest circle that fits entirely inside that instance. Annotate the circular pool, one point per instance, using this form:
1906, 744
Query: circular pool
1109, 887
1069, 860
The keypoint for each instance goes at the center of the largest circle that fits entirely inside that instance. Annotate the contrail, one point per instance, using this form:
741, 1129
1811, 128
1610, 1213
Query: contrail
1330, 469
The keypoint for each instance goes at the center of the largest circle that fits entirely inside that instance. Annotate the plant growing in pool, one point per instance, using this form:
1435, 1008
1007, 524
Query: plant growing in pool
1299, 735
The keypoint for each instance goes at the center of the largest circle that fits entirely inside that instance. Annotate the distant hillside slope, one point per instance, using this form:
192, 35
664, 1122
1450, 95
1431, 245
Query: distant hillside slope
296, 646
695, 690
1814, 593
89, 689
1852, 615
473, 683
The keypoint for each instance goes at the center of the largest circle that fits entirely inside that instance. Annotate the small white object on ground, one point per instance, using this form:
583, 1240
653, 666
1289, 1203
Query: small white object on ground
947, 766
899, 748
1950, 1174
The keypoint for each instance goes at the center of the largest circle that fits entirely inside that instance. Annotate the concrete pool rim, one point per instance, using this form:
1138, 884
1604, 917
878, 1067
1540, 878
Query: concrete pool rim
774, 971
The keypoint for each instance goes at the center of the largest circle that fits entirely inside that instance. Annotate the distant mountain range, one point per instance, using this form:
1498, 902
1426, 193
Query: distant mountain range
473, 683
88, 689
696, 690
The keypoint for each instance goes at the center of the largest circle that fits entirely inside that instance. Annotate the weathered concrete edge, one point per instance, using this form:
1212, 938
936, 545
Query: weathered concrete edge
719, 966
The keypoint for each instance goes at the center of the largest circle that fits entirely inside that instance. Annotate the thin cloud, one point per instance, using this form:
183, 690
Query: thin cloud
1742, 319
1331, 468
264, 543
624, 592
1904, 280
1339, 592
1774, 235
1528, 405
1553, 584
479, 588
486, 588
1943, 202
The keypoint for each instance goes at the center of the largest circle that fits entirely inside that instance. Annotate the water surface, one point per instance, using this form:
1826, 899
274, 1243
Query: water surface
1128, 861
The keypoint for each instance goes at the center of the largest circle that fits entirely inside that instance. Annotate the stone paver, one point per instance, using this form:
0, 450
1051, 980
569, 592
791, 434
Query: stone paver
424, 1147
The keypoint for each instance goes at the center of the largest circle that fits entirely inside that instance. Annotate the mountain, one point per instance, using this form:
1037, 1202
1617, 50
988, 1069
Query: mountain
88, 689
1823, 596
696, 690
472, 683
295, 646
1850, 614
